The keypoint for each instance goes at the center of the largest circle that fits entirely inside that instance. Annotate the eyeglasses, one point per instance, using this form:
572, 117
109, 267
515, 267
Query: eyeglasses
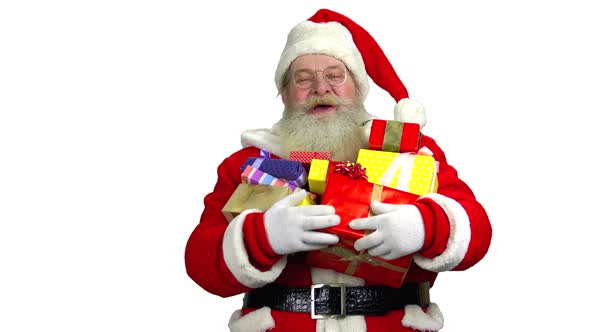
304, 78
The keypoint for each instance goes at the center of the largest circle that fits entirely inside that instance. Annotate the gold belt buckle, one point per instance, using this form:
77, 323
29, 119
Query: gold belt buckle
342, 301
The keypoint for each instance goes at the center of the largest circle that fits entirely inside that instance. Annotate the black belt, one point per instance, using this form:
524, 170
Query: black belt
337, 300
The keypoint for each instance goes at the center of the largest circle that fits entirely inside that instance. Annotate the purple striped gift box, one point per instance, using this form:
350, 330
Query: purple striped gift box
288, 170
255, 176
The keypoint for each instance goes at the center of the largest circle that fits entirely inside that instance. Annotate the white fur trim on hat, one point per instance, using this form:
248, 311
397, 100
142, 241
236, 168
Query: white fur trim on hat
459, 237
330, 38
410, 110
236, 258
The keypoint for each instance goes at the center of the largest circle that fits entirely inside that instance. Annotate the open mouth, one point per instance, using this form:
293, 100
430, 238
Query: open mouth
323, 108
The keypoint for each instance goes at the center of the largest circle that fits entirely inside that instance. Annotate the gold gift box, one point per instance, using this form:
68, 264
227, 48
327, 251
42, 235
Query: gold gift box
257, 196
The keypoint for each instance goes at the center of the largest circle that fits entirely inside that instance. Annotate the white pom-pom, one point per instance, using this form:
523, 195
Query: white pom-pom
409, 110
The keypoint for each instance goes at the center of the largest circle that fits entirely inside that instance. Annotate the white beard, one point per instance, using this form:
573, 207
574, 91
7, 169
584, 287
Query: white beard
339, 133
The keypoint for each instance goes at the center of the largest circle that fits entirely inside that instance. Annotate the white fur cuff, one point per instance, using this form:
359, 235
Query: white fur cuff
415, 318
256, 321
236, 256
459, 237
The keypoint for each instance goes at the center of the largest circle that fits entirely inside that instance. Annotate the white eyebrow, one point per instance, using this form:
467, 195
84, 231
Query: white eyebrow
313, 71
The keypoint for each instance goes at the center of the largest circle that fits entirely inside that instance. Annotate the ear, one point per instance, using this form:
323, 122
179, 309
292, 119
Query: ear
284, 97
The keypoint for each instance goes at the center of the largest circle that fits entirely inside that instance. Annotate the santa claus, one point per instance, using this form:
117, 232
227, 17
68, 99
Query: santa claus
322, 77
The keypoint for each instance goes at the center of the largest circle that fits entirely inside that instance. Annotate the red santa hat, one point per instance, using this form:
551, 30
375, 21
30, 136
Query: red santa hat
334, 34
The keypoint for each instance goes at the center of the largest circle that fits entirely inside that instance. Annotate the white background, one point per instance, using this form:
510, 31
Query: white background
115, 114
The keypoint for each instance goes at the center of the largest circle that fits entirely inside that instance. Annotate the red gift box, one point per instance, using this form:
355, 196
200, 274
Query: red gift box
394, 136
372, 269
351, 199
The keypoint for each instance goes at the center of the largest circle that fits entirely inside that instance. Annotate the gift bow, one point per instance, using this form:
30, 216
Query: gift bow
264, 154
352, 170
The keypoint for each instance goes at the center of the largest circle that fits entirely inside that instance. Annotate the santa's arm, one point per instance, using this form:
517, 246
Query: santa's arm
217, 254
458, 231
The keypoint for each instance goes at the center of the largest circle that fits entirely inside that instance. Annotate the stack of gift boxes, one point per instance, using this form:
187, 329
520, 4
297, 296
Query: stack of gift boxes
393, 170
264, 182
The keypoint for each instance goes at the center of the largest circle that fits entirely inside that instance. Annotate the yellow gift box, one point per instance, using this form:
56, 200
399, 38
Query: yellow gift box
316, 178
409, 172
309, 199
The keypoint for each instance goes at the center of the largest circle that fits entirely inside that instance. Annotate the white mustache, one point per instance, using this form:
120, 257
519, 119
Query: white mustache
314, 101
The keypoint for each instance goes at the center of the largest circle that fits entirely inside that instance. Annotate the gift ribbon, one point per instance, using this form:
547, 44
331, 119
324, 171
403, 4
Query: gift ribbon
376, 196
355, 259
405, 173
264, 154
392, 138
300, 181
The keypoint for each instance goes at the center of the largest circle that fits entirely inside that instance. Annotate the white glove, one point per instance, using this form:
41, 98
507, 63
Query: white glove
399, 230
290, 228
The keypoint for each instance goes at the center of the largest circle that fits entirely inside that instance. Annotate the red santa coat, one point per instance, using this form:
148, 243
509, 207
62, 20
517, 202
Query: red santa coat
232, 258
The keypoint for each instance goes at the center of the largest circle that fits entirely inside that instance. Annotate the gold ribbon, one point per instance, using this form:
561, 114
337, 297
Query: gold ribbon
375, 196
362, 257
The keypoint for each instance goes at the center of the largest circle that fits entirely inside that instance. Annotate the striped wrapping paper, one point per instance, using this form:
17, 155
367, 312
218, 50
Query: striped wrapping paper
255, 176
288, 170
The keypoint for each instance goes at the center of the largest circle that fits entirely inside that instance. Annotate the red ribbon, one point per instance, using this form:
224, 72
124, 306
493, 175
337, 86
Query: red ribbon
352, 170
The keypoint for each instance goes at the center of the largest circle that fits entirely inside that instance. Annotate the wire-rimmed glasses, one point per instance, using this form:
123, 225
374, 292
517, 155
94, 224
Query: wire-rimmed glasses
305, 78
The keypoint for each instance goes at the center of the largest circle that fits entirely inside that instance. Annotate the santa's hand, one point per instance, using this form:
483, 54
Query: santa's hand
399, 230
291, 228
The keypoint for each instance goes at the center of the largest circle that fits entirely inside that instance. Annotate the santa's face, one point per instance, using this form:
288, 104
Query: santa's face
322, 109
315, 75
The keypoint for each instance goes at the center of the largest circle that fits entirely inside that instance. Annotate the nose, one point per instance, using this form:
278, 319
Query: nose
320, 86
